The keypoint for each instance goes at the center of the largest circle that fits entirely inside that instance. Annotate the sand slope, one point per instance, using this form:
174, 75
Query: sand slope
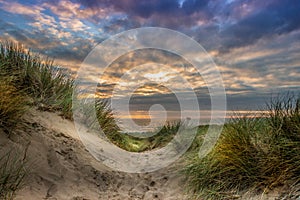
62, 169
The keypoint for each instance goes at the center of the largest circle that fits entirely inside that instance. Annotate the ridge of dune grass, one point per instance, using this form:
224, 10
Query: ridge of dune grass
107, 122
29, 80
130, 142
252, 154
48, 87
26, 80
162, 136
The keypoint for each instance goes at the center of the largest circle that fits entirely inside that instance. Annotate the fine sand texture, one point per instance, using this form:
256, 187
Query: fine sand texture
60, 168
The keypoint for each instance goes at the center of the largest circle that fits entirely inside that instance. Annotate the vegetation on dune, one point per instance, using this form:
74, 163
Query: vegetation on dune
47, 86
26, 80
12, 173
130, 142
12, 104
284, 141
256, 154
159, 138
34, 81
107, 122
284, 117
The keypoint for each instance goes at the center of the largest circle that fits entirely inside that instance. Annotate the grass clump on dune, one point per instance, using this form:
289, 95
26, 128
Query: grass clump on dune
48, 87
107, 122
158, 139
232, 164
44, 85
165, 134
12, 104
283, 163
252, 154
285, 117
26, 80
12, 173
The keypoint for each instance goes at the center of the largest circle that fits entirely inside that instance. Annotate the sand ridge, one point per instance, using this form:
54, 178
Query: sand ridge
62, 169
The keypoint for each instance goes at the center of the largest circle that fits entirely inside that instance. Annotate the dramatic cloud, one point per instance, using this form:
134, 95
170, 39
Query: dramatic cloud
255, 44
278, 18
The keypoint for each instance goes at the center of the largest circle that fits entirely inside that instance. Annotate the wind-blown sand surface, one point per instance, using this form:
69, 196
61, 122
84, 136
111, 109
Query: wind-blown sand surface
61, 168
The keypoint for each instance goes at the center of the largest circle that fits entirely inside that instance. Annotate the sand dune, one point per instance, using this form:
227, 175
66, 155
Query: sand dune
62, 169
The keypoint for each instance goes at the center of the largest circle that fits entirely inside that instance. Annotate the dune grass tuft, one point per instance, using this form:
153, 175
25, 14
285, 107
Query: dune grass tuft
283, 161
40, 79
162, 136
26, 80
12, 173
48, 88
12, 104
107, 122
252, 154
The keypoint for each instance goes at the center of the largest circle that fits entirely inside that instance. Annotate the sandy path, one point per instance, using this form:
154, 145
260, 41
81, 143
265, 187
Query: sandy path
62, 169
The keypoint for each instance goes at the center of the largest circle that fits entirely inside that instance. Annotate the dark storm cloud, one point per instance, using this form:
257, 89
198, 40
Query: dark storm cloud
191, 6
280, 17
119, 25
170, 101
145, 8
267, 31
248, 101
166, 13
267, 19
142, 8
64, 52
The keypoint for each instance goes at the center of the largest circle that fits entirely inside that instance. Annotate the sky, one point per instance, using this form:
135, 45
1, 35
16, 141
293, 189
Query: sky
255, 44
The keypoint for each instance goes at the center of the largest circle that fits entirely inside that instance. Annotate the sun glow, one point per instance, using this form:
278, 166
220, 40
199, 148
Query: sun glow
160, 76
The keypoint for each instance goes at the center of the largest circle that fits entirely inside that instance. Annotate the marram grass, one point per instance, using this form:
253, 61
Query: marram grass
252, 154
27, 80
255, 154
47, 86
12, 173
12, 104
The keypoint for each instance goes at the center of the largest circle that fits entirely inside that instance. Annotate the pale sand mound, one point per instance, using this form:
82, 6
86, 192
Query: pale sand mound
61, 168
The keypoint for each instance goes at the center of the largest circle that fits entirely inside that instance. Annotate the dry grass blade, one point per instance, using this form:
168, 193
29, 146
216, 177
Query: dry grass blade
255, 154
12, 173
